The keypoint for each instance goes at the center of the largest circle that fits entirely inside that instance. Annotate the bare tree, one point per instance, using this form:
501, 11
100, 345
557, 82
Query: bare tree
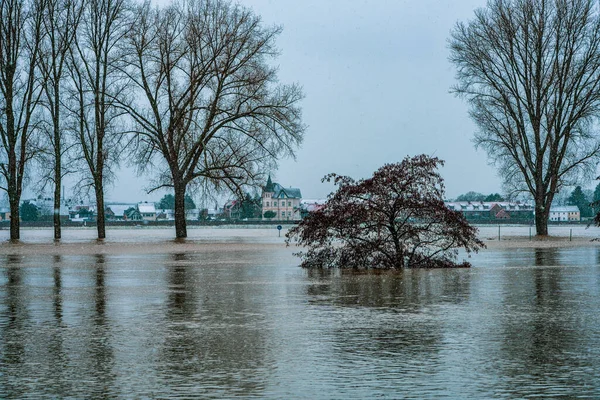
60, 22
20, 90
95, 83
530, 70
210, 109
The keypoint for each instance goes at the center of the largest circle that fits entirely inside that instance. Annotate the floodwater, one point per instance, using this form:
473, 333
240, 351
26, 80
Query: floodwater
251, 324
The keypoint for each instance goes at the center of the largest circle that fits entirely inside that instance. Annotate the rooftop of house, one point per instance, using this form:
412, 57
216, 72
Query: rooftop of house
564, 209
280, 192
486, 206
119, 209
146, 208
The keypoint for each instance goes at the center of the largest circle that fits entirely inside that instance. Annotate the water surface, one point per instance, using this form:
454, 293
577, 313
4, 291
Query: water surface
520, 323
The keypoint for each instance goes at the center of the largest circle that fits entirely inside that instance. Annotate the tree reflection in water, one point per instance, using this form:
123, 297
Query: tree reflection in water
541, 327
388, 316
13, 328
212, 339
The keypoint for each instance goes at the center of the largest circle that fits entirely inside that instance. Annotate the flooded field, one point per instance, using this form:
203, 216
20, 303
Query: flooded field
238, 318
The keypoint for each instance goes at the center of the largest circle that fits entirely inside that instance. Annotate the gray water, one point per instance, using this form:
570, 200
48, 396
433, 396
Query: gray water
520, 323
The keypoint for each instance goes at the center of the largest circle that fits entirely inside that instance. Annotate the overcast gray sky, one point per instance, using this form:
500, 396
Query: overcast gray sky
376, 78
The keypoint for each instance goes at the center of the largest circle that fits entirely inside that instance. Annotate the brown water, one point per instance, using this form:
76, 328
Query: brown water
253, 325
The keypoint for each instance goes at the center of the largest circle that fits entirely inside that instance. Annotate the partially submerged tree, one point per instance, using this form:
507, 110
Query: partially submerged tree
530, 70
396, 219
60, 22
20, 37
95, 82
210, 110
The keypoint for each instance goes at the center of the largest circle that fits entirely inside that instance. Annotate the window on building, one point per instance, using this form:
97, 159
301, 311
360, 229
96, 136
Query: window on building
274, 204
267, 204
289, 203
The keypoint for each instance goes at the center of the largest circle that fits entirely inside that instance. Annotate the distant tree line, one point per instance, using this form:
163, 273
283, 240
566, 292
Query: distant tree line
475, 196
188, 92
587, 201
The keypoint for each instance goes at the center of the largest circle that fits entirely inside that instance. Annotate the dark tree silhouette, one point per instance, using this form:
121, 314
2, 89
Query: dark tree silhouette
210, 110
270, 214
396, 219
530, 70
168, 202
579, 199
471, 196
29, 212
494, 197
596, 200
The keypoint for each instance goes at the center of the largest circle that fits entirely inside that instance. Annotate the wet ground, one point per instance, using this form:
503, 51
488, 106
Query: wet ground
238, 318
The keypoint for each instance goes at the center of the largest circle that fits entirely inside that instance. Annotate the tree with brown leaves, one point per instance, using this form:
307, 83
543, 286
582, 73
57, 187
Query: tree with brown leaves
395, 219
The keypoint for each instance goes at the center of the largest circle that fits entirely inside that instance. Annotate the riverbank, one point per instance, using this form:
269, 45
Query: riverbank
160, 240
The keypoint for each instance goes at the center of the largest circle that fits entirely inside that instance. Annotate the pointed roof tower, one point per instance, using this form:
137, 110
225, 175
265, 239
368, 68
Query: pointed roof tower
269, 187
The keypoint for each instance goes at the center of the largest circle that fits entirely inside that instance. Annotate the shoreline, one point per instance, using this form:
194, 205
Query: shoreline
159, 240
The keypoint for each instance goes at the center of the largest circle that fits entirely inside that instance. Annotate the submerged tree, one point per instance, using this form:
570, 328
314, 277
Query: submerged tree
60, 22
396, 219
210, 109
530, 70
95, 83
20, 37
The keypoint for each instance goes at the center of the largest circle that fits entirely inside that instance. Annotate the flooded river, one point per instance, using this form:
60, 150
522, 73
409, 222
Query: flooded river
251, 324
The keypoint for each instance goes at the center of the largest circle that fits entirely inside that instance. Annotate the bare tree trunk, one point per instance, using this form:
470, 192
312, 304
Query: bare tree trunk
180, 223
57, 166
541, 219
13, 196
100, 223
14, 211
57, 197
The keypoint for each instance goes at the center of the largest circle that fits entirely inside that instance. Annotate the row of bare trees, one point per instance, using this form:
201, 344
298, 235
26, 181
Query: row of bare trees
185, 91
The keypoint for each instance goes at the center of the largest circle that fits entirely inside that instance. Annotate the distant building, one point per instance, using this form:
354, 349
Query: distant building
4, 214
565, 213
494, 210
82, 213
147, 211
310, 205
231, 209
45, 206
118, 210
284, 202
